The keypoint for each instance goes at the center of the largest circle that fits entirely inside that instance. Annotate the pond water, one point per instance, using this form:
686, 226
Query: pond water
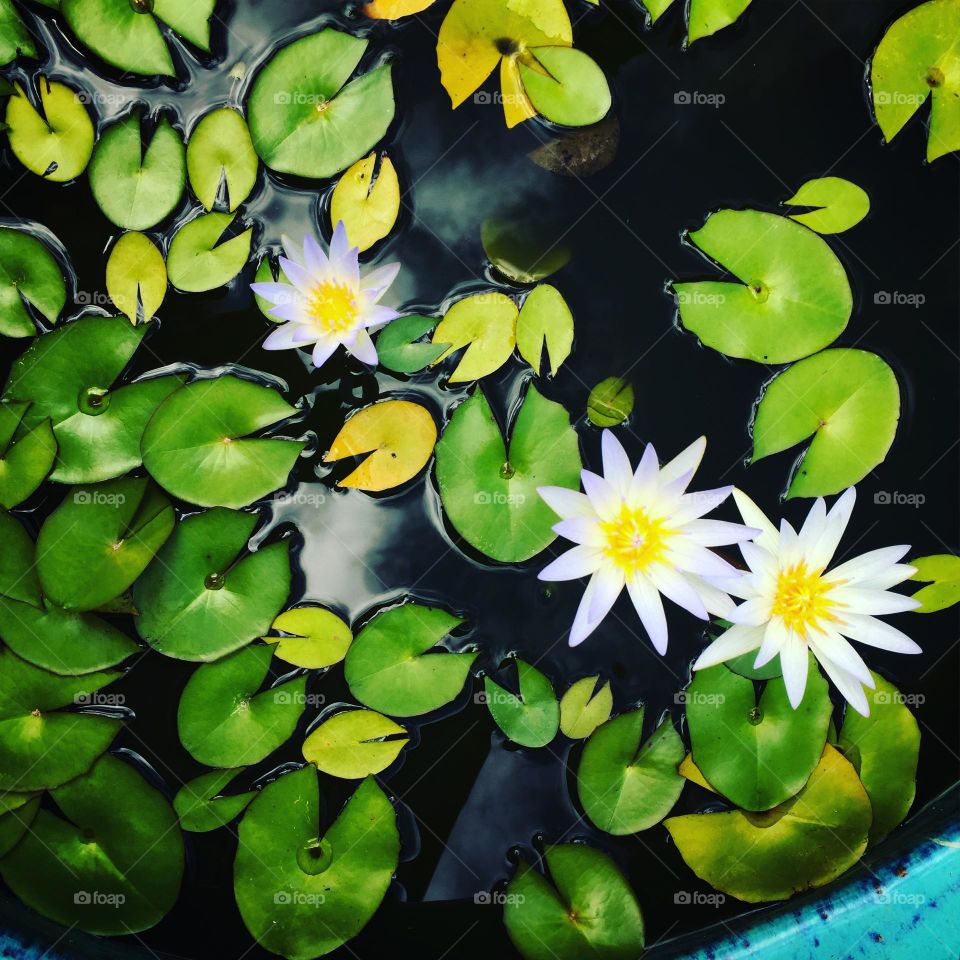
774, 101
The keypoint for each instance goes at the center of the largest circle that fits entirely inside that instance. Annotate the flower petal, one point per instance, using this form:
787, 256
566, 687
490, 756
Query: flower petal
753, 612
850, 688
290, 311
674, 586
876, 633
692, 558
580, 530
616, 464
276, 293
314, 259
872, 602
609, 585
684, 462
565, 502
794, 661
694, 505
717, 601
582, 627
324, 350
734, 642
646, 476
575, 563
299, 276
283, 338
718, 533
363, 349
839, 651
606, 502
753, 516
775, 638
649, 607
377, 316
375, 284
834, 526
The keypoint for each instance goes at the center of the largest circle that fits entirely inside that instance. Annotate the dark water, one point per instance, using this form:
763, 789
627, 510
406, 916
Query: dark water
794, 107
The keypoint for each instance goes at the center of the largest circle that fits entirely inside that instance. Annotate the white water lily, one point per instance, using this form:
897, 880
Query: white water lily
642, 530
793, 604
326, 303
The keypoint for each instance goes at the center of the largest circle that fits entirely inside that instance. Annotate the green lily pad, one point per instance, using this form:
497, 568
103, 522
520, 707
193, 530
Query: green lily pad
199, 806
100, 539
25, 461
268, 271
916, 59
847, 400
625, 787
806, 842
942, 573
744, 666
68, 376
757, 753
584, 907
201, 599
841, 204
224, 722
42, 745
706, 17
793, 297
197, 445
136, 277
566, 86
137, 188
15, 823
354, 744
884, 749
545, 320
127, 34
392, 665
583, 708
306, 118
533, 718
18, 577
489, 495
398, 348
15, 38
54, 142
610, 402
195, 262
220, 151
486, 324
302, 894
523, 245
104, 866
316, 638
30, 278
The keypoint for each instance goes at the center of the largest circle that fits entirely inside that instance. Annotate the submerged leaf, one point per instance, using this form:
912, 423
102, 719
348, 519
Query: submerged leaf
29, 276
136, 276
545, 320
841, 204
583, 708
580, 153
317, 638
26, 456
610, 402
566, 86
197, 262
352, 744
367, 207
398, 348
199, 806
532, 719
486, 324
524, 247
942, 573
220, 151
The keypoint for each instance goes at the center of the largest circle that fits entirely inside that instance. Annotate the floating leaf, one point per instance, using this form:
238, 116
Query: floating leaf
15, 38
847, 400
793, 297
201, 599
317, 638
398, 349
220, 151
394, 9
806, 842
268, 271
15, 823
524, 247
566, 86
841, 204
195, 262
545, 320
392, 666
68, 376
18, 577
26, 460
884, 749
532, 719
942, 572
224, 722
199, 806
625, 787
690, 771
399, 437
757, 753
353, 744
137, 188
706, 17
29, 276
197, 445
916, 58
584, 907
367, 207
491, 497
610, 402
136, 276
104, 866
487, 322
306, 118
583, 708
302, 894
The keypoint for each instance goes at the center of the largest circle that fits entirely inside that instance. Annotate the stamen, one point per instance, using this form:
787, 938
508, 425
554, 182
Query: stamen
635, 540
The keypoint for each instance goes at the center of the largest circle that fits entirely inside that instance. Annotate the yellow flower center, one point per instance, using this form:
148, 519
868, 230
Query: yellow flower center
332, 306
634, 540
802, 599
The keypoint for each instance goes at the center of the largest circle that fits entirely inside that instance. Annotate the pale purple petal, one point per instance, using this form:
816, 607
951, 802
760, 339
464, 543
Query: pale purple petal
674, 586
582, 628
575, 563
291, 311
753, 516
692, 558
282, 338
377, 316
649, 607
685, 462
363, 349
645, 477
297, 275
580, 530
314, 259
376, 283
602, 495
324, 350
276, 293
753, 612
694, 505
566, 503
616, 464
609, 584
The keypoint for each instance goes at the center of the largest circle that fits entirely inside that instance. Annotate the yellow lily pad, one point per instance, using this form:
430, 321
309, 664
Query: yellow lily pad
352, 744
486, 324
136, 274
368, 207
395, 9
317, 638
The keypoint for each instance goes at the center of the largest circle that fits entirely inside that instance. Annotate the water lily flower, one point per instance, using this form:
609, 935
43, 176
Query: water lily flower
327, 303
642, 530
793, 604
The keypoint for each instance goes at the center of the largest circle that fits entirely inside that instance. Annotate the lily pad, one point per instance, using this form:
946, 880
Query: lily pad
884, 749
353, 744
199, 806
486, 324
205, 597
806, 842
54, 142
137, 188
316, 638
545, 321
399, 437
302, 894
136, 277
942, 574
566, 86
398, 348
393, 666
367, 205
530, 719
916, 59
583, 708
31, 279
610, 402
584, 907
15, 38
307, 117
625, 787
757, 753
25, 460
224, 722
195, 261
525, 246
847, 400
394, 9
706, 17
220, 154
841, 204
490, 495
793, 297
198, 444
18, 577
104, 866
15, 823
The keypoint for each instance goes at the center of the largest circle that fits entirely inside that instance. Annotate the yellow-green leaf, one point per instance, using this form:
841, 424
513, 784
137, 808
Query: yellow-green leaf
584, 707
353, 744
317, 638
840, 204
368, 206
485, 321
136, 274
220, 150
942, 572
545, 318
